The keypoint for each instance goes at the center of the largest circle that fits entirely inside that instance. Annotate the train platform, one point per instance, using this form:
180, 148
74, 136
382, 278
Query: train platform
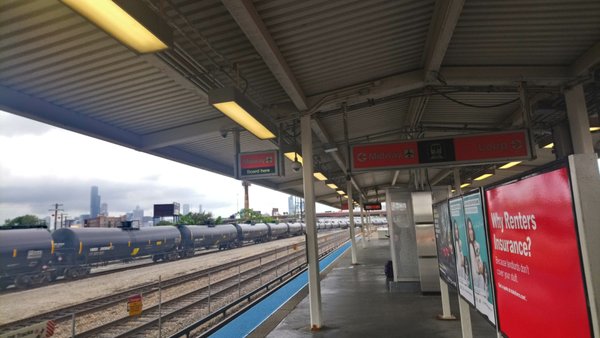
357, 301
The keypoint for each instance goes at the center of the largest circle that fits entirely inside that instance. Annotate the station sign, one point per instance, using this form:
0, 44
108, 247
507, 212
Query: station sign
134, 305
372, 206
458, 150
258, 164
536, 258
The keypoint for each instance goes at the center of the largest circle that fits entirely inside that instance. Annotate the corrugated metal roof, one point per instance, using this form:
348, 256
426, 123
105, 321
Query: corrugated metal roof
59, 59
529, 32
442, 111
332, 44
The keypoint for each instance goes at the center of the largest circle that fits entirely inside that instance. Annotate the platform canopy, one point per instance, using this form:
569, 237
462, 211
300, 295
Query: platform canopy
403, 69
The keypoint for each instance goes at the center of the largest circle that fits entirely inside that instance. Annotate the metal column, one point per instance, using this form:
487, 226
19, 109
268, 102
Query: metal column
312, 248
463, 306
351, 218
578, 120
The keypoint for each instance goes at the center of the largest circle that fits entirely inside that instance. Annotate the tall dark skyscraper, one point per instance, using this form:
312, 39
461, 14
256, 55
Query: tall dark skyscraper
94, 202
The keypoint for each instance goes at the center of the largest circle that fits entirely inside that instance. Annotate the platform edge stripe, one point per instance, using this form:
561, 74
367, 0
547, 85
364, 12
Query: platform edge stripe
252, 318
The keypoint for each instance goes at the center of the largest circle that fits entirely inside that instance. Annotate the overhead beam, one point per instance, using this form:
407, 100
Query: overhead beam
174, 75
193, 160
290, 184
505, 76
416, 109
585, 62
445, 17
186, 133
31, 107
246, 16
323, 136
383, 87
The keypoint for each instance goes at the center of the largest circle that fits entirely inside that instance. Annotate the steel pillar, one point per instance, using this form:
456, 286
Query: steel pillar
579, 122
463, 306
351, 218
312, 248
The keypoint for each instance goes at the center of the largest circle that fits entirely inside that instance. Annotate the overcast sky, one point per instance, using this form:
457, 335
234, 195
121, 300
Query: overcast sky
41, 165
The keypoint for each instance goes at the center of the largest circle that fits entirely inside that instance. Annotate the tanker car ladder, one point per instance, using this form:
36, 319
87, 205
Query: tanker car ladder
252, 316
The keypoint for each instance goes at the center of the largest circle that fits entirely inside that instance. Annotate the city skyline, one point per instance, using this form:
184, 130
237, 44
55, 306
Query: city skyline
41, 165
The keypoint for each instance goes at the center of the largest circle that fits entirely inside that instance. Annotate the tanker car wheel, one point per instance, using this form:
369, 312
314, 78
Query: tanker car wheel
4, 284
72, 273
22, 282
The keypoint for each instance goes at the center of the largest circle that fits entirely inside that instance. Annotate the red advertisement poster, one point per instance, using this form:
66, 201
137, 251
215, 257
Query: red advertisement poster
536, 260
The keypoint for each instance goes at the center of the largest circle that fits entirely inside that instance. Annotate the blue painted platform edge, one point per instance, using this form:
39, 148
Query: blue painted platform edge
255, 315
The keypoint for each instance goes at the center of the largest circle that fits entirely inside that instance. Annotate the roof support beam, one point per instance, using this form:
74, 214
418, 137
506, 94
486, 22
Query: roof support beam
248, 19
186, 133
445, 18
505, 76
290, 184
28, 106
586, 61
174, 75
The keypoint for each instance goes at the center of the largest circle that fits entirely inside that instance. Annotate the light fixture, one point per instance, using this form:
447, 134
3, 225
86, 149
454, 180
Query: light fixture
510, 164
293, 156
131, 22
320, 176
549, 146
330, 148
592, 129
239, 108
483, 176
464, 185
345, 196
341, 192
332, 186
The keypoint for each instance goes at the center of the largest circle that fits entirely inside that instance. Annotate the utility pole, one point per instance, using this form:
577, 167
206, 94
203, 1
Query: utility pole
55, 212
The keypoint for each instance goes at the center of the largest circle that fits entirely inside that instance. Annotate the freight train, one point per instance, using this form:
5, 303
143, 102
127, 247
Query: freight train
35, 256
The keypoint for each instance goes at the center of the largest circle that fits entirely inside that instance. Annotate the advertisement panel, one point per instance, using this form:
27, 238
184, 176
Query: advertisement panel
444, 243
536, 258
481, 272
463, 258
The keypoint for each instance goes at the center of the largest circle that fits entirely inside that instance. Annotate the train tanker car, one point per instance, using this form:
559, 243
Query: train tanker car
194, 237
278, 230
256, 233
25, 255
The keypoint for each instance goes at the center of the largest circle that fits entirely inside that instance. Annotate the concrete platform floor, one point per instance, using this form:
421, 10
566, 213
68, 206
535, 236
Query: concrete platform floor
357, 303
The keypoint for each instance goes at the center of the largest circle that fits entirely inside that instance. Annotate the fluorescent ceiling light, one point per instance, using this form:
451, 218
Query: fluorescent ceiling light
293, 156
320, 176
341, 192
345, 196
332, 186
464, 185
130, 22
549, 146
594, 128
240, 109
483, 177
510, 164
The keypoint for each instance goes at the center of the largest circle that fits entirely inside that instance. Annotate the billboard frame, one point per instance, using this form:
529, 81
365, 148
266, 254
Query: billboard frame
550, 167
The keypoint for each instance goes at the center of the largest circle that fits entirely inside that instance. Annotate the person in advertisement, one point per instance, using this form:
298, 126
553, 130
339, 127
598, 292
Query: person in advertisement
463, 259
480, 265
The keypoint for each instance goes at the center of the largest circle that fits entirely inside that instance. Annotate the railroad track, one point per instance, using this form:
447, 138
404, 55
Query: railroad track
63, 316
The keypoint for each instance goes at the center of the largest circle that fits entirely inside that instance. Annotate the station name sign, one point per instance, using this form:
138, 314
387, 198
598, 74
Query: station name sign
458, 150
258, 164
372, 206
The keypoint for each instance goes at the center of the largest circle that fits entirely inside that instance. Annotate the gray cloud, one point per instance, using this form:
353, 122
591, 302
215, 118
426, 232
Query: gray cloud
14, 125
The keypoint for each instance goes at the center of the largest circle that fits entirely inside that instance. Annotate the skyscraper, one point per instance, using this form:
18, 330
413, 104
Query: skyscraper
186, 209
103, 209
94, 202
